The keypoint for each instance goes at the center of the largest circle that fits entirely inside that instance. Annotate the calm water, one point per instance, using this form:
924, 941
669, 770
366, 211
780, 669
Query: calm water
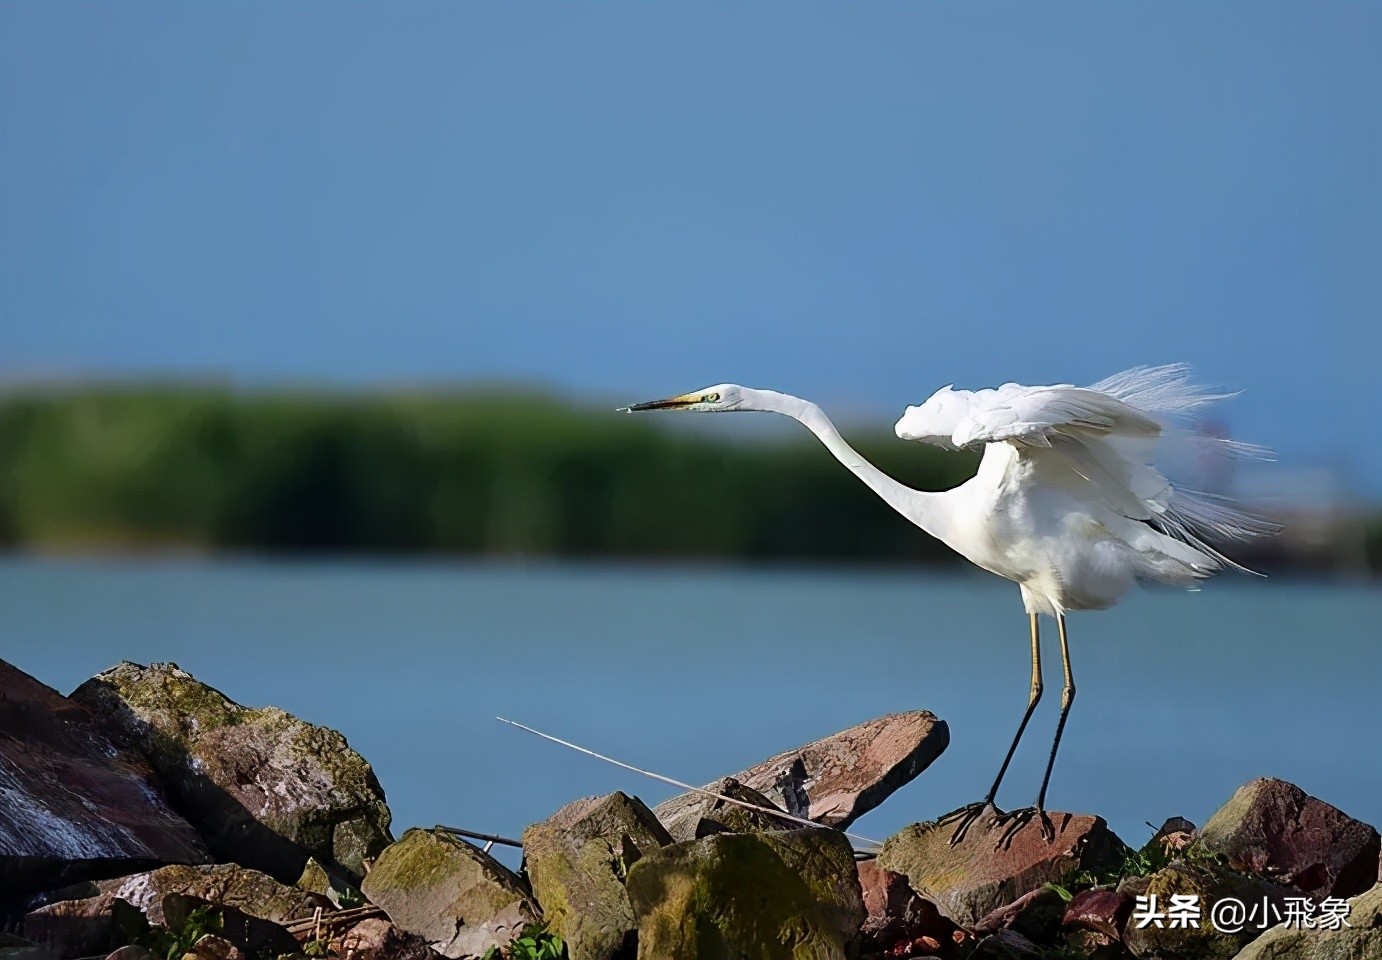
700, 671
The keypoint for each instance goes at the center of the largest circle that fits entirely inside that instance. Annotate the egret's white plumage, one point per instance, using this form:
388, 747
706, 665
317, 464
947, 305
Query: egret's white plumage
1068, 502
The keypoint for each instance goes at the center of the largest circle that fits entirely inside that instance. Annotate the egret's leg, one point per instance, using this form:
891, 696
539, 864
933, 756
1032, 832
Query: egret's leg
967, 815
1033, 698
1020, 818
1067, 697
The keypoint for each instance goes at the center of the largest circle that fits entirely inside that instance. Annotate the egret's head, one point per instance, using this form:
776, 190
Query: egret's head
721, 398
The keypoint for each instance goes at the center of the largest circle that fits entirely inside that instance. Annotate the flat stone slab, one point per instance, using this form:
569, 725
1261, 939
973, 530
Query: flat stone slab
836, 780
75, 805
985, 871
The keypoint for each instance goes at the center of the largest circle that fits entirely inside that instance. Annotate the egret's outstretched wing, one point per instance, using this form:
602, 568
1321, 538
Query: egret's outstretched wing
1111, 434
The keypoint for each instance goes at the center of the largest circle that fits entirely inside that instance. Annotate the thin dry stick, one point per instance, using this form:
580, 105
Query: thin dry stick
336, 918
491, 838
685, 786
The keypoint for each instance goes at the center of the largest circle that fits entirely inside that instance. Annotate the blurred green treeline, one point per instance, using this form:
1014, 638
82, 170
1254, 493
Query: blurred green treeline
470, 473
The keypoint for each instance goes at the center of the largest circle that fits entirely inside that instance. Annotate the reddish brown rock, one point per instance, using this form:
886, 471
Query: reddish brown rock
76, 806
985, 871
838, 779
1036, 915
377, 939
896, 915
1277, 830
1103, 911
917, 948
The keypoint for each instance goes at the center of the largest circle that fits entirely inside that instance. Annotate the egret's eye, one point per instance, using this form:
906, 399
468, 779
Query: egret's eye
711, 398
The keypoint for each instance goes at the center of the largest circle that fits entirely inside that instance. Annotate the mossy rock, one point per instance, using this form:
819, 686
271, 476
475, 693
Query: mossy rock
754, 896
249, 891
1361, 940
263, 788
89, 918
989, 868
1208, 883
453, 895
577, 860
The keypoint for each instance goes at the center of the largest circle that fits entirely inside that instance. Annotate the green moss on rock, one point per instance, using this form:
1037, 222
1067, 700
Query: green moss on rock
1208, 883
261, 786
456, 897
1361, 940
577, 861
762, 896
989, 869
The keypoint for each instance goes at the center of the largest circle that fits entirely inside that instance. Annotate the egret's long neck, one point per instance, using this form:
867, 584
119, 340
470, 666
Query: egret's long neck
919, 506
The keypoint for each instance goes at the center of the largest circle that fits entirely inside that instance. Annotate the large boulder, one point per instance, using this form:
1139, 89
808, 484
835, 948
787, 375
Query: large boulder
456, 897
1152, 931
987, 869
753, 896
265, 789
1274, 828
1360, 940
838, 779
76, 805
577, 860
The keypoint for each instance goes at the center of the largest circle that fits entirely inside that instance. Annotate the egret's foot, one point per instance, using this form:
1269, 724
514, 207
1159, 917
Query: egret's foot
1016, 820
968, 815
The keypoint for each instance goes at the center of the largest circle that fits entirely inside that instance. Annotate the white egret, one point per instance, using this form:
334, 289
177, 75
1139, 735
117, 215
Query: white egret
1068, 501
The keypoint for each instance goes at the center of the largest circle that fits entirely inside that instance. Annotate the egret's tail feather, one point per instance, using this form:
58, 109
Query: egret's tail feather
1205, 521
1164, 391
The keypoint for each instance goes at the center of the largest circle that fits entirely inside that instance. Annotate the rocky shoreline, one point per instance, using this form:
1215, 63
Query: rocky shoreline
149, 816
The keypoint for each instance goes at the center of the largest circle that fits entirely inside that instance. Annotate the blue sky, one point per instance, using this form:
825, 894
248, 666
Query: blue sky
857, 203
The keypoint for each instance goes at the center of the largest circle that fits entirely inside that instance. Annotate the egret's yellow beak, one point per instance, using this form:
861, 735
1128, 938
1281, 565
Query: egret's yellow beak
672, 403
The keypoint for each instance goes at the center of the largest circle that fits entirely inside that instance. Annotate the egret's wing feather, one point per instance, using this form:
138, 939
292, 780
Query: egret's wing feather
1034, 415
1111, 479
1110, 434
